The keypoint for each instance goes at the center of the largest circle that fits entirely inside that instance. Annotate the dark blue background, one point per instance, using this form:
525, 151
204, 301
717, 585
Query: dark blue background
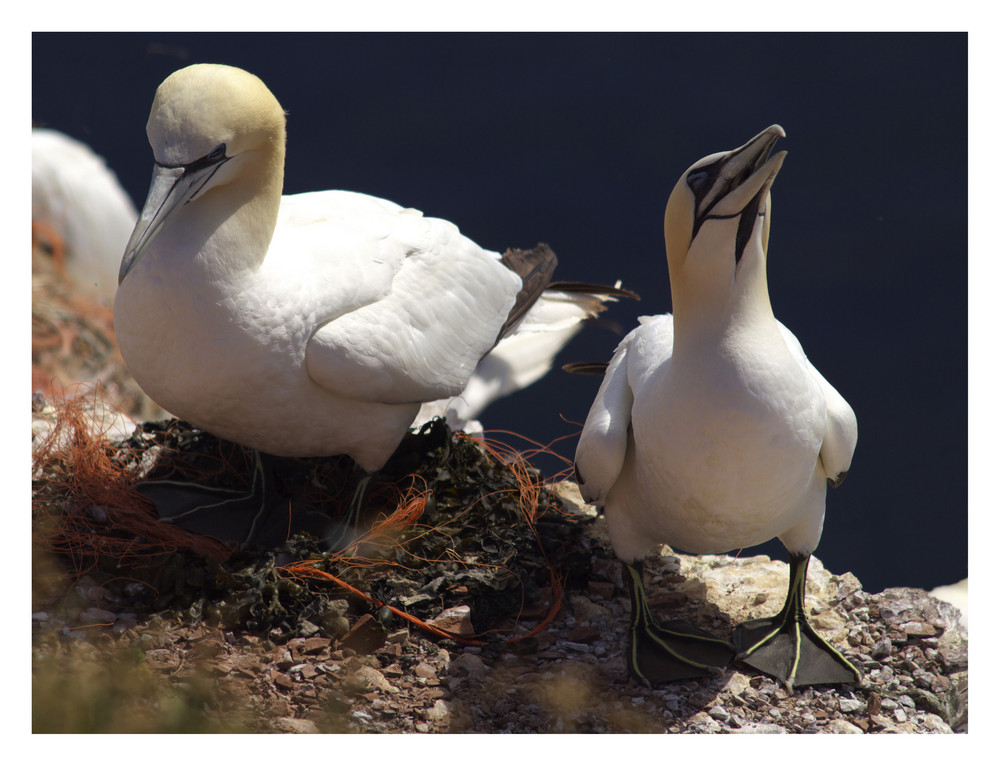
577, 139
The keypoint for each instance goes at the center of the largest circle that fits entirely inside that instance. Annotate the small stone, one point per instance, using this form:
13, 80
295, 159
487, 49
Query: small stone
573, 646
363, 716
935, 724
398, 636
940, 684
281, 680
737, 684
702, 721
208, 648
458, 620
315, 644
366, 679
850, 705
761, 728
295, 726
335, 625
882, 649
423, 670
438, 711
918, 629
307, 628
393, 670
719, 713
840, 726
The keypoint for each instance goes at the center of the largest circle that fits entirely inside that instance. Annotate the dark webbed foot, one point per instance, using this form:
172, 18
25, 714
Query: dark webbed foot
255, 515
659, 652
787, 647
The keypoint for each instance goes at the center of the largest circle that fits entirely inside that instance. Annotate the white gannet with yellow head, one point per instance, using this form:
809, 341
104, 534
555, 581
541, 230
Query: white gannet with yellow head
306, 325
712, 431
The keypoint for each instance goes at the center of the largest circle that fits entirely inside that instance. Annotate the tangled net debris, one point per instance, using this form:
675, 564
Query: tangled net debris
453, 521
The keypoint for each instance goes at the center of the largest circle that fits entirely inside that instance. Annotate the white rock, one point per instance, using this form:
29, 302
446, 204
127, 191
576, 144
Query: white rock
438, 711
840, 726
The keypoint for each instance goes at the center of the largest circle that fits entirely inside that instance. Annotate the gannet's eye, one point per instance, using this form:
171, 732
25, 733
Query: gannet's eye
698, 182
214, 157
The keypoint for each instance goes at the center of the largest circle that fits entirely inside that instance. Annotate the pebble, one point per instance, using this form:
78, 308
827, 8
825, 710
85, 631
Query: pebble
849, 705
719, 713
840, 726
455, 620
918, 629
438, 711
882, 649
423, 670
295, 726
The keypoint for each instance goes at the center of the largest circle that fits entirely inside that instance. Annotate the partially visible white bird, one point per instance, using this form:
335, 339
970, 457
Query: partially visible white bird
524, 355
711, 430
956, 594
78, 198
306, 325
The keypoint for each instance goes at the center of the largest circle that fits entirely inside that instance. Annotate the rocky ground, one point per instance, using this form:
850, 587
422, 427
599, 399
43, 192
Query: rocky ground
341, 671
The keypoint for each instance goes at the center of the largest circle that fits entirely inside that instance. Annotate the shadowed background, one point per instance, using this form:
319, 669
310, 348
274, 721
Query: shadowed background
576, 140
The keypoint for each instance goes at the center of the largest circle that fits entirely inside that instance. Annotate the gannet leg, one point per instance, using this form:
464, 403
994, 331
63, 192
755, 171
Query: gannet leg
339, 534
787, 647
671, 650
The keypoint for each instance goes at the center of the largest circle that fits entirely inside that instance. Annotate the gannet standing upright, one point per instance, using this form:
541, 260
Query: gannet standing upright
711, 430
306, 325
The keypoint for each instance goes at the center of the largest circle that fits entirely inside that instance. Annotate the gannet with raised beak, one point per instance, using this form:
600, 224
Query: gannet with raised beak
711, 430
306, 325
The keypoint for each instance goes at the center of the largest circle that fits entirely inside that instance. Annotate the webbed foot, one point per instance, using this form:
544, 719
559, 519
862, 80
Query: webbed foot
673, 650
787, 647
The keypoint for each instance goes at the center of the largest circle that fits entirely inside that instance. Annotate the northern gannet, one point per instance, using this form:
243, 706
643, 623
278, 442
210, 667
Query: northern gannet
307, 325
76, 196
711, 430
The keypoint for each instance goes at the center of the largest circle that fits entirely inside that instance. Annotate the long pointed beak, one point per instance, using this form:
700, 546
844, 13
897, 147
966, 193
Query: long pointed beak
169, 190
742, 175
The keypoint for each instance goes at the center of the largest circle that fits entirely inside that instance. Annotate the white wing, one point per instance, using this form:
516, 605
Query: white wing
600, 452
409, 306
841, 435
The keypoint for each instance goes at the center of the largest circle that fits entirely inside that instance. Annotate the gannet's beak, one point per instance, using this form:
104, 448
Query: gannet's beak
736, 183
171, 187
